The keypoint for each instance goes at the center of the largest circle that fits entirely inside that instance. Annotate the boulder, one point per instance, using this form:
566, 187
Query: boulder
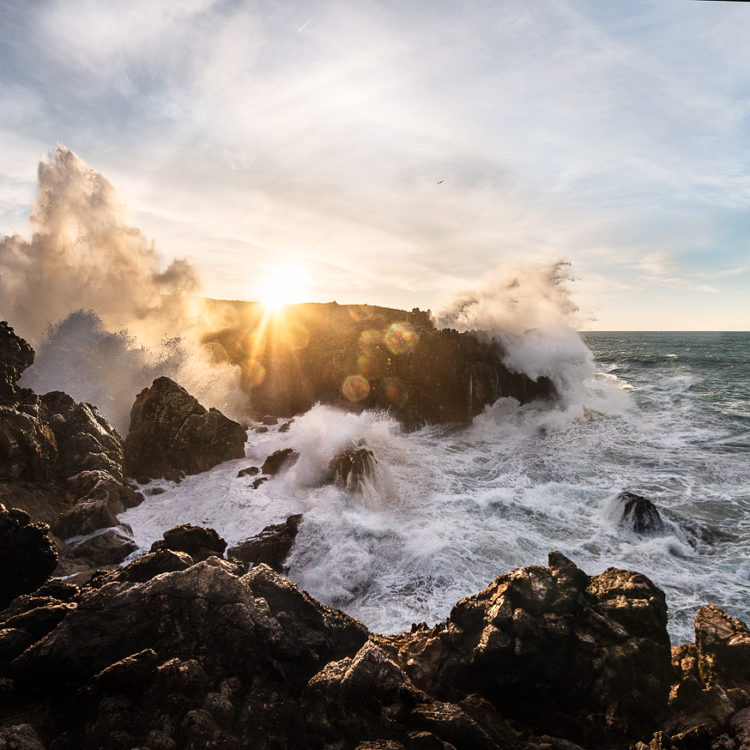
197, 541
86, 441
280, 460
350, 468
108, 547
722, 647
15, 356
28, 447
171, 433
594, 650
27, 554
271, 546
640, 514
250, 471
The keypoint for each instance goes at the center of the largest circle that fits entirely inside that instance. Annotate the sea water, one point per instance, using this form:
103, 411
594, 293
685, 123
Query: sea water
665, 415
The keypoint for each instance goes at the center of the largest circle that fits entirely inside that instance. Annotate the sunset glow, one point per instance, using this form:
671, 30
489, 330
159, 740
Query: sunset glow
283, 285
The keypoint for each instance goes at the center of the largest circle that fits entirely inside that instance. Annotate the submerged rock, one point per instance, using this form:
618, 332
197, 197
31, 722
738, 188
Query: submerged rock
350, 468
280, 460
271, 546
171, 433
640, 514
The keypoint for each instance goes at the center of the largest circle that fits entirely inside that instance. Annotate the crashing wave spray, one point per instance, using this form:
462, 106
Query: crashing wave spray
88, 292
530, 309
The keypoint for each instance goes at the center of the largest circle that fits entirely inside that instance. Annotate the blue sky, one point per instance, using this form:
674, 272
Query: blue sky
398, 153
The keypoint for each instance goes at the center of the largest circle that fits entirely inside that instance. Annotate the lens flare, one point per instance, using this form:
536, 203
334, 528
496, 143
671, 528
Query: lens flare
401, 338
283, 285
356, 388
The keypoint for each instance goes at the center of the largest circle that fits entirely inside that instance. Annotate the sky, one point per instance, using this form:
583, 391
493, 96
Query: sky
399, 153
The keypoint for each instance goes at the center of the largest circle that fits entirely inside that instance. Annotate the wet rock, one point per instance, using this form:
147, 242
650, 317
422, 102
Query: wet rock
271, 546
199, 542
27, 554
147, 566
171, 433
257, 482
250, 471
640, 514
15, 356
352, 467
109, 547
280, 460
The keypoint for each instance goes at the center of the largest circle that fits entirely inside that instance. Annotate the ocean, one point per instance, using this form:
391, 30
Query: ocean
664, 415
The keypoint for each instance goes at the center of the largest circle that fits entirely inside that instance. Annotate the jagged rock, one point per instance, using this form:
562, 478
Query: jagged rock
594, 647
147, 566
106, 548
20, 737
85, 518
15, 356
170, 433
86, 441
350, 468
250, 471
279, 460
28, 448
257, 482
365, 357
722, 648
640, 514
199, 542
27, 554
271, 546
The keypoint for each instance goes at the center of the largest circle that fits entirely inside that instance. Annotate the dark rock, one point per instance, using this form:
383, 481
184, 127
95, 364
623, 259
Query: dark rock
106, 548
155, 491
271, 546
20, 737
352, 467
170, 433
596, 649
27, 554
248, 472
85, 518
15, 356
147, 566
285, 427
279, 460
199, 542
260, 430
86, 441
365, 357
257, 482
722, 648
28, 448
640, 514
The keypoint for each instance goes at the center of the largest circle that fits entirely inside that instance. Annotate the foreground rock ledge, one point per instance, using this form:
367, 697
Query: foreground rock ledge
169, 653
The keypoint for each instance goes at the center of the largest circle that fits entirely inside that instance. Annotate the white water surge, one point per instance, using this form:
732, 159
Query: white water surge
450, 509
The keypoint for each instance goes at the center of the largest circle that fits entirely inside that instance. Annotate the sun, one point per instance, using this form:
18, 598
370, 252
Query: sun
282, 285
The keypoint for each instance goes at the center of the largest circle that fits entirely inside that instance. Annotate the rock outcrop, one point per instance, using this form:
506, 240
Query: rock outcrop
171, 434
15, 356
203, 655
640, 514
197, 541
351, 468
27, 554
366, 357
271, 546
60, 461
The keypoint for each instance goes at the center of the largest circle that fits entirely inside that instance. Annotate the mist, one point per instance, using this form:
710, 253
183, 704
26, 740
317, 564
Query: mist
105, 316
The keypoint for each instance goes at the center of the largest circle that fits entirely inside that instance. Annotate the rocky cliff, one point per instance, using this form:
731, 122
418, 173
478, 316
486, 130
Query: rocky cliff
361, 356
